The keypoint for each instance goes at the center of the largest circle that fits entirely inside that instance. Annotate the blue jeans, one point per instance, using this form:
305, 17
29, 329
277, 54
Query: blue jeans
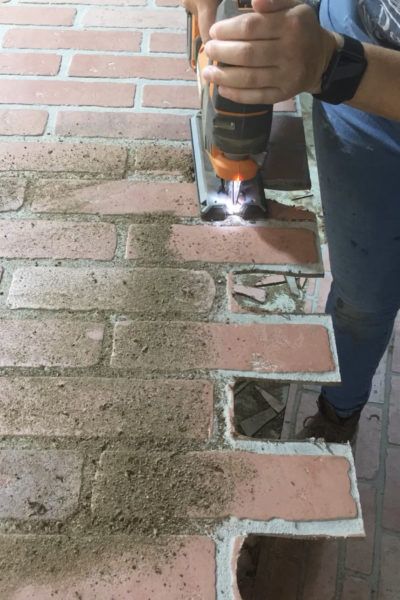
358, 158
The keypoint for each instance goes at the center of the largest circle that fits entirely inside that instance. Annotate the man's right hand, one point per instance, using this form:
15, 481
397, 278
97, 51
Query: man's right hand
205, 11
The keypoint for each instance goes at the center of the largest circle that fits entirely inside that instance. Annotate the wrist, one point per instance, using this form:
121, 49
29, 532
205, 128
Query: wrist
331, 42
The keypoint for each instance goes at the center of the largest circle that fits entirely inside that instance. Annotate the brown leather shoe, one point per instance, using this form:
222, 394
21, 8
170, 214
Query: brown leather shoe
327, 425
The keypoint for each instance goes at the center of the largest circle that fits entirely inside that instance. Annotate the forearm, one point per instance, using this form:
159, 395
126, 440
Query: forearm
379, 90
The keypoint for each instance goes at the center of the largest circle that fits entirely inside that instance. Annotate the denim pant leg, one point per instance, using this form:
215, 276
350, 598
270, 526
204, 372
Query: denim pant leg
360, 190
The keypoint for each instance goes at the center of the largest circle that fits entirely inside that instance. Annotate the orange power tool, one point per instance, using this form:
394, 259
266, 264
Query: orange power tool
229, 139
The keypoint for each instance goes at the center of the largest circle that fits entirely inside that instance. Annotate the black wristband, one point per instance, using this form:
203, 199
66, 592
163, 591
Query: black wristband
344, 73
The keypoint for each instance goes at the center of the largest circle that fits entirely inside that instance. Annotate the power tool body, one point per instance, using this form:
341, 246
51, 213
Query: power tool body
229, 139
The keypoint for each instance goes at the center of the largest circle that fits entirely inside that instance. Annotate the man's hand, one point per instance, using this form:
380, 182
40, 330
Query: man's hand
205, 11
275, 52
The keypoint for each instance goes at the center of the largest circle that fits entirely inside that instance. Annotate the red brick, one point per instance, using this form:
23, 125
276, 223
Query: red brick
117, 198
32, 15
61, 157
39, 484
283, 212
29, 64
12, 191
314, 487
171, 96
83, 93
394, 414
50, 343
150, 126
390, 572
52, 239
57, 39
256, 347
55, 406
98, 65
391, 513
168, 42
367, 455
233, 244
356, 589
320, 573
171, 568
360, 553
137, 18
22, 122
173, 293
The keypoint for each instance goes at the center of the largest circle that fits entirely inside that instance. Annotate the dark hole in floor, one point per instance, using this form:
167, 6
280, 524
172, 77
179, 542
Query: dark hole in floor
259, 408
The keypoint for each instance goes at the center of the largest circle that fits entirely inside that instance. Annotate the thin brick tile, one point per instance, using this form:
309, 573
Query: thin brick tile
137, 18
32, 15
47, 406
58, 39
145, 126
62, 157
231, 244
164, 293
29, 64
116, 198
257, 347
72, 567
49, 239
50, 343
12, 191
360, 553
390, 572
22, 122
39, 484
171, 96
391, 513
67, 93
98, 65
314, 487
168, 42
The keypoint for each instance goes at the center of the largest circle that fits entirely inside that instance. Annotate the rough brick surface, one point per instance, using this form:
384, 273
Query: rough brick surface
49, 239
177, 568
12, 192
116, 198
32, 15
85, 93
58, 157
106, 41
39, 484
243, 245
171, 96
29, 64
49, 343
168, 42
83, 65
22, 122
131, 17
261, 348
172, 292
45, 406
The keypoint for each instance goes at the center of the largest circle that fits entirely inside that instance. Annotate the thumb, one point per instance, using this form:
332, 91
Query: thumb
268, 6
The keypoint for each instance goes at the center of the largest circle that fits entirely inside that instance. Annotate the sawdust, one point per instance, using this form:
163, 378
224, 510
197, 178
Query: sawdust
164, 158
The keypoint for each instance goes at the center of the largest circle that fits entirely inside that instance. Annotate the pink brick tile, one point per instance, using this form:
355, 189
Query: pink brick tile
138, 18
48, 239
66, 93
168, 42
130, 125
171, 96
12, 192
22, 122
262, 348
175, 568
360, 553
314, 487
50, 343
106, 41
150, 67
285, 106
47, 406
282, 212
29, 64
60, 157
394, 414
118, 198
391, 513
32, 15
